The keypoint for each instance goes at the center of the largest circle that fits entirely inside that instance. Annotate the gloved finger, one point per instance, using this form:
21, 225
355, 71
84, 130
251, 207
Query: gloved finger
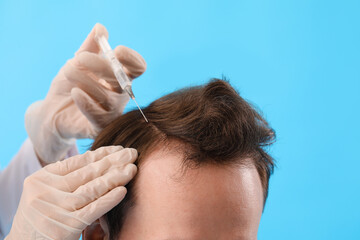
80, 177
99, 186
90, 43
134, 64
74, 163
88, 106
96, 64
94, 189
116, 102
63, 221
102, 205
73, 126
100, 67
96, 114
88, 82
87, 130
129, 58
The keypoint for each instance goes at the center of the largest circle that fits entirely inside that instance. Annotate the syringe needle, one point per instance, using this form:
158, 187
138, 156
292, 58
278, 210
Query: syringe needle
140, 110
116, 66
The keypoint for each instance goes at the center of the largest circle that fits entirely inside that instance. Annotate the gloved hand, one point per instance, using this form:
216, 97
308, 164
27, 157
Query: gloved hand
61, 199
83, 98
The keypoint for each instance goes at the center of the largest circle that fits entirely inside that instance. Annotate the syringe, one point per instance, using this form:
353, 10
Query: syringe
117, 68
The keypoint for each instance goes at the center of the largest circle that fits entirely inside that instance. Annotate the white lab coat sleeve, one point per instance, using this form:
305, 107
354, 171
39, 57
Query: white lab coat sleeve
12, 177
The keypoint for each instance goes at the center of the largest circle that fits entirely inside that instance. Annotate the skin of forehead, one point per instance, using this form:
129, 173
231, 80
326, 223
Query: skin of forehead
208, 202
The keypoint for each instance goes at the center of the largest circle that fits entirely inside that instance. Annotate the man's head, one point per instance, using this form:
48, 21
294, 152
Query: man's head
203, 170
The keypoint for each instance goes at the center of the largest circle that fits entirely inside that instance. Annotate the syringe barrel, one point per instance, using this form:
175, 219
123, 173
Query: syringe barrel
120, 75
116, 66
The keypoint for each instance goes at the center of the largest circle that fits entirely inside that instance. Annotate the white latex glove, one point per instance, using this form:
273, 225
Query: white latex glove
61, 199
83, 98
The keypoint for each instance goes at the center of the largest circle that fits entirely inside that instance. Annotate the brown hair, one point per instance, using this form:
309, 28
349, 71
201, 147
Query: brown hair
213, 121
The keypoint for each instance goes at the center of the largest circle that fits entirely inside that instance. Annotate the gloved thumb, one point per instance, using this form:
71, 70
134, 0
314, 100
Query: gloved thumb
90, 109
90, 44
96, 115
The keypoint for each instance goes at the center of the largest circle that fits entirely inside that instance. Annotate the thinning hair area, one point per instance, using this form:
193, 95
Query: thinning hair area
212, 121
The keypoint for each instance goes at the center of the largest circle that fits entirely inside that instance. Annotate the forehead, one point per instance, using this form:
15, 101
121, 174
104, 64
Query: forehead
173, 201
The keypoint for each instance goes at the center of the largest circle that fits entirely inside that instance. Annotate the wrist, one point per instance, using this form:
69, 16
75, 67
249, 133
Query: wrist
52, 150
48, 144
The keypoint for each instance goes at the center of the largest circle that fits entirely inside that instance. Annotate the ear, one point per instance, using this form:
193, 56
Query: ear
98, 230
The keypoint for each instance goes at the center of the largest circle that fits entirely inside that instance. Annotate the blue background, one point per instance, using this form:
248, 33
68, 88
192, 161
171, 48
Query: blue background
298, 61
